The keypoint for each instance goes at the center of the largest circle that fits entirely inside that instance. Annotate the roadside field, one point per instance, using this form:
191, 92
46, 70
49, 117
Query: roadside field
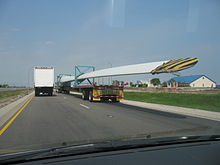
209, 102
6, 95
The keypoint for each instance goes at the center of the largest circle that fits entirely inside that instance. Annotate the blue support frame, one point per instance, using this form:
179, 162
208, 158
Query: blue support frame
59, 77
79, 70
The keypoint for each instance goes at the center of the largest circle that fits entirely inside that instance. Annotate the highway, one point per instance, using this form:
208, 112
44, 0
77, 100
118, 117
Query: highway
66, 119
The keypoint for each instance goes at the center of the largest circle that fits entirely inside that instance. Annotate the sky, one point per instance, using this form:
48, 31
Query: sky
106, 33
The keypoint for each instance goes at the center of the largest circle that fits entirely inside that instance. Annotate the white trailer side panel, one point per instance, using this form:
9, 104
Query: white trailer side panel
43, 76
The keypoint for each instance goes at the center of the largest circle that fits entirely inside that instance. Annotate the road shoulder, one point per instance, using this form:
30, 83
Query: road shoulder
9, 110
174, 109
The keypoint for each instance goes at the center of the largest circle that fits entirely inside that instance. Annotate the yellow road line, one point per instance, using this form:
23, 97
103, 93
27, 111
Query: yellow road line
14, 117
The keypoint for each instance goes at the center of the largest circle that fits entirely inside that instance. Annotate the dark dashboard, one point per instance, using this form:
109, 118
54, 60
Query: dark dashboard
201, 153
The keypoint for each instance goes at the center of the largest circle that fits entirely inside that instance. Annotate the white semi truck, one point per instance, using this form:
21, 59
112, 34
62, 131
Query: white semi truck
43, 80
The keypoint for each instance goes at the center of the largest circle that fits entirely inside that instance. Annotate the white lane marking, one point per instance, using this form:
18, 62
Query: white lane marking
84, 106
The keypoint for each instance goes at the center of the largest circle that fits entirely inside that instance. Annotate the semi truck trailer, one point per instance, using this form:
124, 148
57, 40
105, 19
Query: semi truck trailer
95, 92
87, 87
43, 80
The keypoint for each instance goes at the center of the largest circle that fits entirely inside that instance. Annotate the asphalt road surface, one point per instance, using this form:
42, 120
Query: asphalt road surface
66, 119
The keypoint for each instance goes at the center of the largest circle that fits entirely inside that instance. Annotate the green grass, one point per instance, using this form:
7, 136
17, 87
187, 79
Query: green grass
10, 94
209, 102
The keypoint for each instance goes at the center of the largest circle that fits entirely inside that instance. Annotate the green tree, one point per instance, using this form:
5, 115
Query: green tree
115, 82
144, 85
132, 84
164, 84
155, 81
4, 85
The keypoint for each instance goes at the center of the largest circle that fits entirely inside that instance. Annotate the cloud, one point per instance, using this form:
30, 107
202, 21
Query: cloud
4, 53
15, 29
47, 43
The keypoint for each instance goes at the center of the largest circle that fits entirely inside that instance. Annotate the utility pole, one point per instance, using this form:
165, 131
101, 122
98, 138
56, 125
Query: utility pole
110, 78
28, 80
29, 71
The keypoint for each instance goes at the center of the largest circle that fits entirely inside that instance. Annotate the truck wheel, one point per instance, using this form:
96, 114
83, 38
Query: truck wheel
83, 95
90, 96
115, 100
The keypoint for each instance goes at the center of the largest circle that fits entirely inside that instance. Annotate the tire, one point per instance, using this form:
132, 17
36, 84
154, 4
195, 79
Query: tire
90, 96
36, 93
115, 100
83, 95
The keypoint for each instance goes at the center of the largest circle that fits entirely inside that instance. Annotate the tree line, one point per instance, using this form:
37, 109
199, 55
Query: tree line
154, 81
4, 85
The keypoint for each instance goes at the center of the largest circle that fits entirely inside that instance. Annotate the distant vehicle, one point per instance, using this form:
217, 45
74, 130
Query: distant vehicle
43, 80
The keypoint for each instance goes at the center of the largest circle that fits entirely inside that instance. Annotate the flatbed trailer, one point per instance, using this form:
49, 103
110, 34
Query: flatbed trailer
94, 92
114, 93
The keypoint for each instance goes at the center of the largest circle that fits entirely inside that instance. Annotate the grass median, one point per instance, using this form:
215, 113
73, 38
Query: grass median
5, 95
209, 102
